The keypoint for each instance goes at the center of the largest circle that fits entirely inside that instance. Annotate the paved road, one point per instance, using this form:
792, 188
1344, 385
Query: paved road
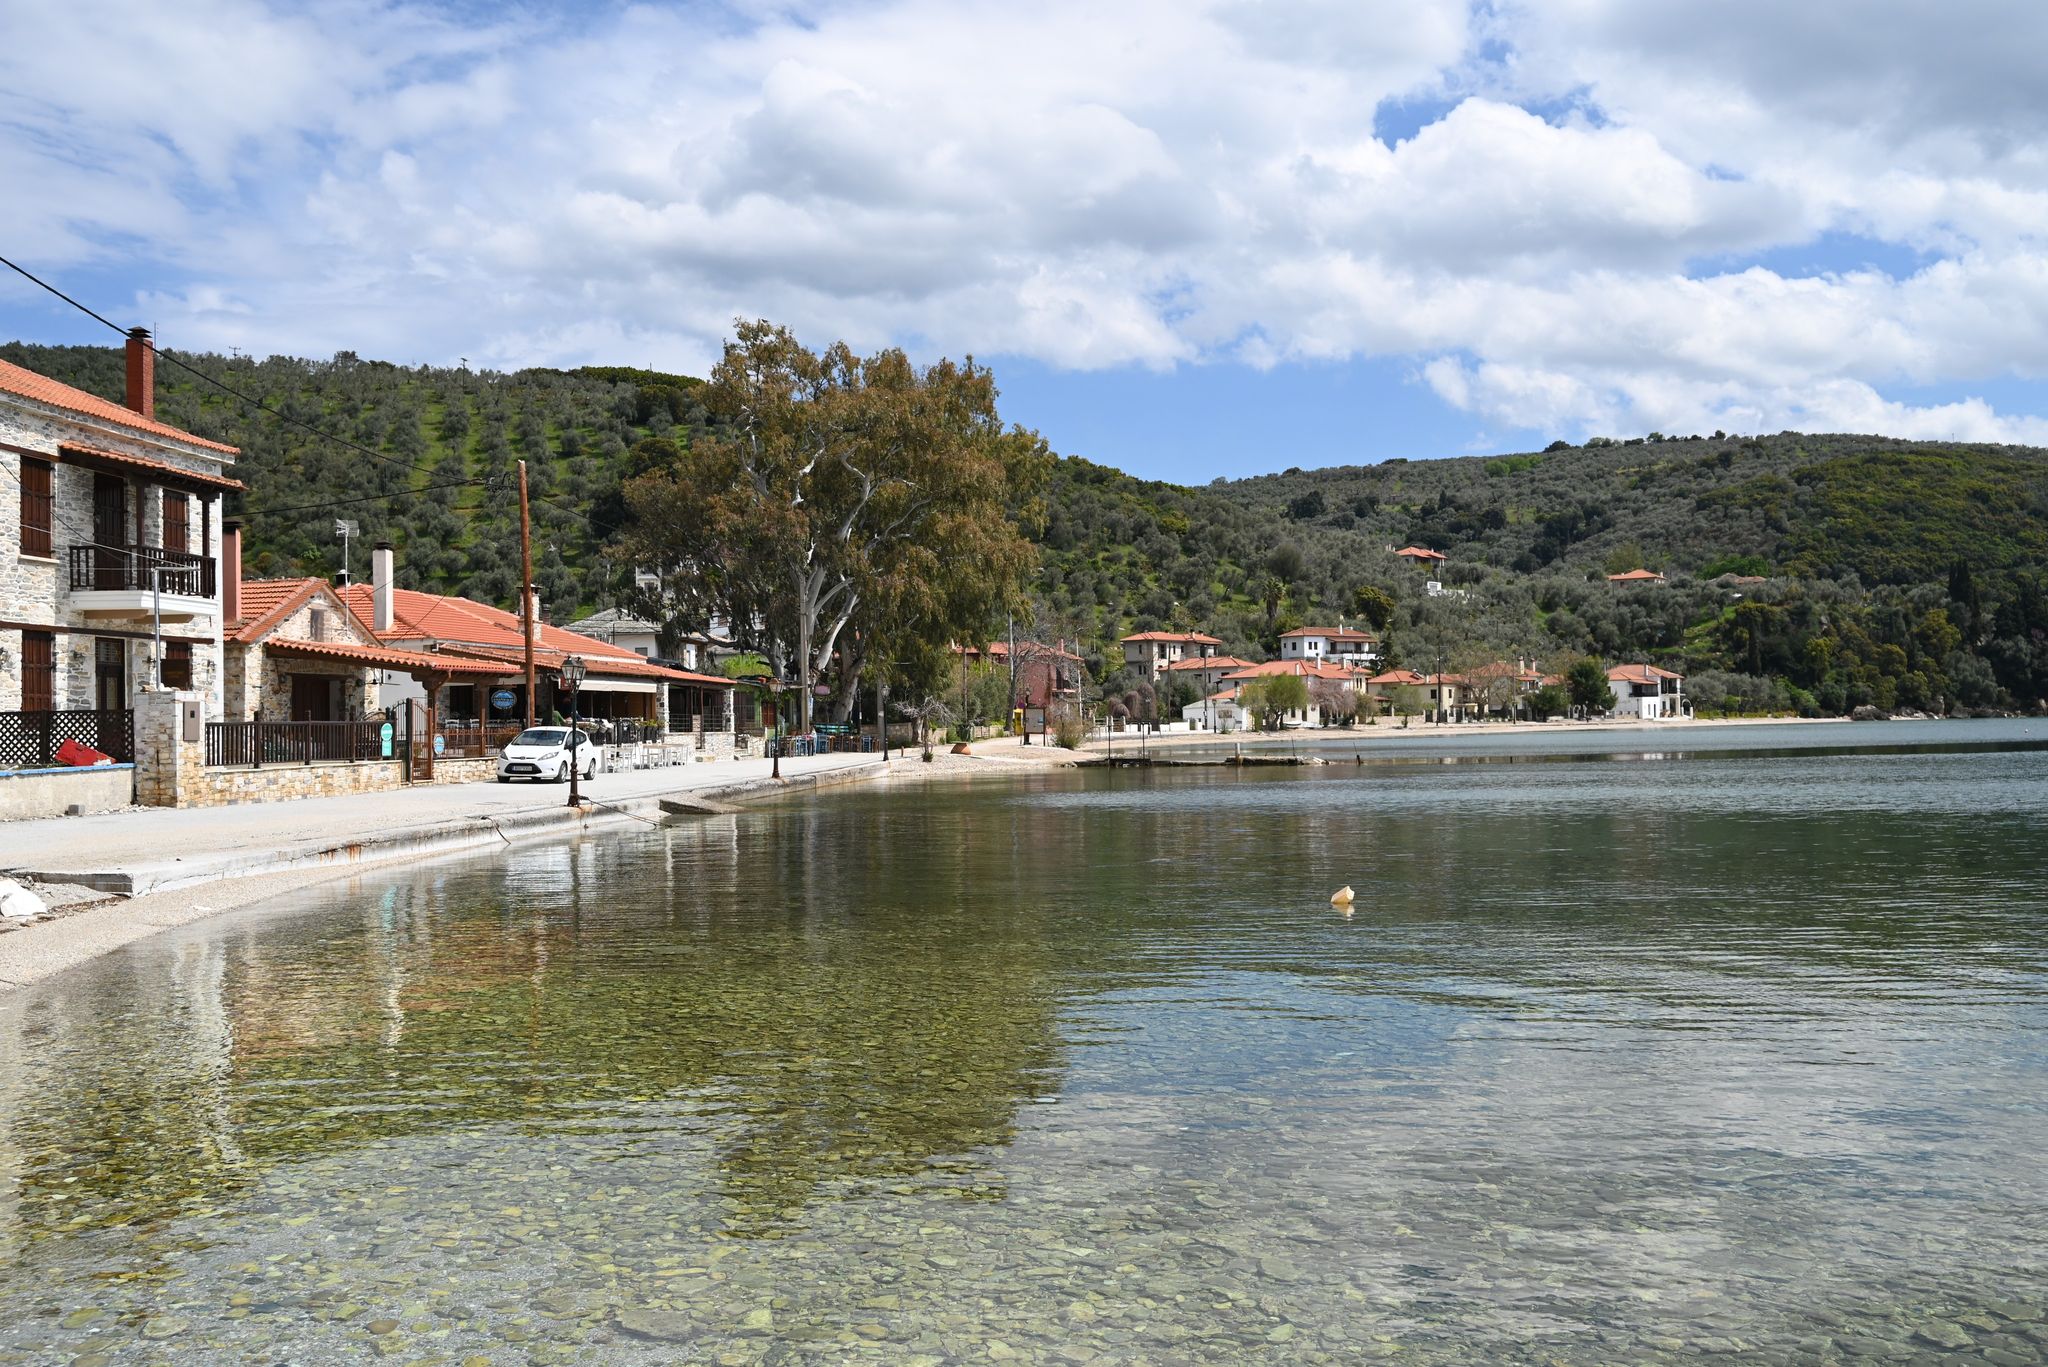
151, 847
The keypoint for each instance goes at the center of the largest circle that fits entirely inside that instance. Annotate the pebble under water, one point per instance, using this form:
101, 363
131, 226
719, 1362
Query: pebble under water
1733, 1053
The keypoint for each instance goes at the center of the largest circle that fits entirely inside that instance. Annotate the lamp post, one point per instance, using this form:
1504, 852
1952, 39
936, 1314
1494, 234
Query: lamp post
573, 670
775, 741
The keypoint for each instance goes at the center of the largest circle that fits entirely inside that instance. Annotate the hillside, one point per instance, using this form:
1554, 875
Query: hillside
442, 481
1894, 573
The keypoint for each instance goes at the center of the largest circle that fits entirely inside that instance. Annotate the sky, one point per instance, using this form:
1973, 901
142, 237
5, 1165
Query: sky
1194, 238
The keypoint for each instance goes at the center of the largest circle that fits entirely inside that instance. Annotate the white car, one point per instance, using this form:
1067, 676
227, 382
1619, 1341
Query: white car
542, 754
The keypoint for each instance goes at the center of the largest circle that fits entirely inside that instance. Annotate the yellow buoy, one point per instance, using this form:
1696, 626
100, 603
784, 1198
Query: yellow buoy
1342, 896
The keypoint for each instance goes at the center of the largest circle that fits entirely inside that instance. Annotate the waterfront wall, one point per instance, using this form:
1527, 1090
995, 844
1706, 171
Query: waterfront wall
29, 793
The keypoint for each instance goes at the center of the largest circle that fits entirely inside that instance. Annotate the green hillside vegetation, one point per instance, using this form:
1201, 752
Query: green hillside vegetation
442, 485
1876, 571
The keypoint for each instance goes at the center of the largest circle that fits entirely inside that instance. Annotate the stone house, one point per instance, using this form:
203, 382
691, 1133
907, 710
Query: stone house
294, 651
112, 556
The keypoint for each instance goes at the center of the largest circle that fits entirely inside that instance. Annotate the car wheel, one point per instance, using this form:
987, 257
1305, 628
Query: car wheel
562, 773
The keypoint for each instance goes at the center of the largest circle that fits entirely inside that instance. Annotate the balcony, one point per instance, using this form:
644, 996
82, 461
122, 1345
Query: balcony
142, 581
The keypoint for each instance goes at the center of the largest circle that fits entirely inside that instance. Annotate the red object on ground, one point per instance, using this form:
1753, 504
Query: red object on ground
81, 756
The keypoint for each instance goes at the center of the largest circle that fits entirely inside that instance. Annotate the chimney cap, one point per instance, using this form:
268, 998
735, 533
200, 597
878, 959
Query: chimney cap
233, 524
139, 334
383, 546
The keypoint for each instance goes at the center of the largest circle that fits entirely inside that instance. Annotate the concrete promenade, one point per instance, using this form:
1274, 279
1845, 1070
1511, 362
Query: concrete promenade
143, 850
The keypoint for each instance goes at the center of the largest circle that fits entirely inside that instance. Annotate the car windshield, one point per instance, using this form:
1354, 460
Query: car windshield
541, 735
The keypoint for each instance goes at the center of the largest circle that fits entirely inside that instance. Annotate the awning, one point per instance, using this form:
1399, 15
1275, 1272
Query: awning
616, 686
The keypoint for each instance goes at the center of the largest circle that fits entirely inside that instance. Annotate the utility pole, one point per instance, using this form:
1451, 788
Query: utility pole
525, 586
1013, 674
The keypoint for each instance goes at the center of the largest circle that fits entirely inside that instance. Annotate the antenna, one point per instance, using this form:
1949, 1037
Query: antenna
344, 528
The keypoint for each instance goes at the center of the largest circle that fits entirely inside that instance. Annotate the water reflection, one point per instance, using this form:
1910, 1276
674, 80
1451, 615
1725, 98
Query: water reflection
1612, 1063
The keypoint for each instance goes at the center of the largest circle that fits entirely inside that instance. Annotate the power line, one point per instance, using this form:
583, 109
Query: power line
412, 467
258, 404
366, 498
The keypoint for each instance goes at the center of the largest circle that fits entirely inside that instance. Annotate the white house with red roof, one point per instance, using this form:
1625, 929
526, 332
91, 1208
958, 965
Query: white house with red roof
1205, 672
1644, 692
1219, 711
1318, 675
1337, 645
114, 549
1150, 652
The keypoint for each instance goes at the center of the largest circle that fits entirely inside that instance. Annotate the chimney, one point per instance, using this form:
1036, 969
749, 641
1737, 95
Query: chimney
533, 607
230, 566
141, 395
381, 577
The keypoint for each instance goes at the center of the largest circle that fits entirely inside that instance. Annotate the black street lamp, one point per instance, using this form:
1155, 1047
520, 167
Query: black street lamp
573, 670
775, 741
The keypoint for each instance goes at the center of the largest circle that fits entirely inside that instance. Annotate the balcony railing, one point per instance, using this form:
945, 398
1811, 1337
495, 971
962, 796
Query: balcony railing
29, 740
253, 744
138, 569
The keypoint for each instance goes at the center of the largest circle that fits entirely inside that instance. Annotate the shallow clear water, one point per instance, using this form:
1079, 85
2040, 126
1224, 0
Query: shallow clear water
1738, 1052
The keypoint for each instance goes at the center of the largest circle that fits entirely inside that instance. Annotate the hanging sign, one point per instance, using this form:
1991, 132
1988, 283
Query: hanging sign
503, 699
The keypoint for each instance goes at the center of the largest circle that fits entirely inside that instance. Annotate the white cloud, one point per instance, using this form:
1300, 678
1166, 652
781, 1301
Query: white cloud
1162, 183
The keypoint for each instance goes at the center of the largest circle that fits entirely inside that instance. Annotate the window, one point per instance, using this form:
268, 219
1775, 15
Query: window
177, 521
317, 623
35, 508
177, 665
38, 671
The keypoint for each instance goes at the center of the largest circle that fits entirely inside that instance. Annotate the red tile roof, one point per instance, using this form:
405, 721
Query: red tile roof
1306, 669
264, 600
1398, 678
513, 658
479, 630
383, 657
161, 470
1421, 553
1333, 633
1640, 674
1195, 637
26, 384
1209, 662
1635, 577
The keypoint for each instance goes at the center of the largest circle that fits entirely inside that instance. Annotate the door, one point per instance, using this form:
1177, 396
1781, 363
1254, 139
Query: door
110, 674
109, 529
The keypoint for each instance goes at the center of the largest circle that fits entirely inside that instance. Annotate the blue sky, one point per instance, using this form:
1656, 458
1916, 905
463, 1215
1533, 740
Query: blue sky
1195, 238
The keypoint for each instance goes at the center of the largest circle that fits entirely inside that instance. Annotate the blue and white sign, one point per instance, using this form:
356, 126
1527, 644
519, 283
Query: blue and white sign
440, 743
384, 734
503, 699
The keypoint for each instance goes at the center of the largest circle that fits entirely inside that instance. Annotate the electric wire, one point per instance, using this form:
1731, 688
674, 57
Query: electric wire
413, 467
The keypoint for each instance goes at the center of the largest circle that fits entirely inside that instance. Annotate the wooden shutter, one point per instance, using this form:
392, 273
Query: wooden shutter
35, 508
38, 671
177, 666
177, 521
